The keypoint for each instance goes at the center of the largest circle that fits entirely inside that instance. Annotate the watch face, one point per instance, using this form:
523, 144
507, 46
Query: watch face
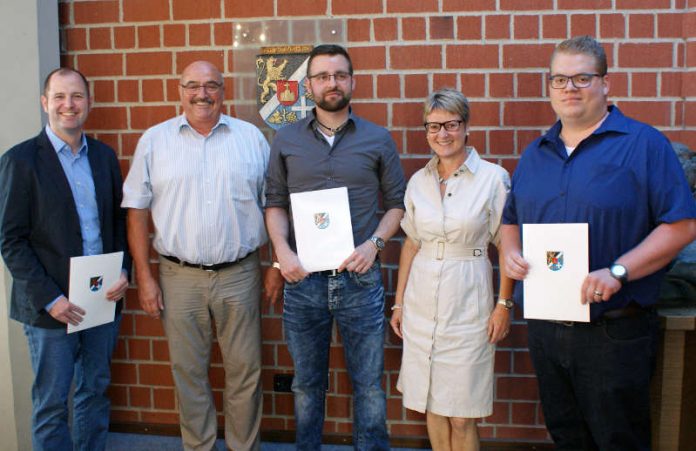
379, 242
618, 271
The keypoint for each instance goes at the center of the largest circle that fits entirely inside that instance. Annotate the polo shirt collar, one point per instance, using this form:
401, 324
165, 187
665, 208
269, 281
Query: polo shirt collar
615, 122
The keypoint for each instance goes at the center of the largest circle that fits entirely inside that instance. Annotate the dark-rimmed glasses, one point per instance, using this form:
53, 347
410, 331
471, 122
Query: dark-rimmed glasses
450, 126
324, 77
210, 87
578, 80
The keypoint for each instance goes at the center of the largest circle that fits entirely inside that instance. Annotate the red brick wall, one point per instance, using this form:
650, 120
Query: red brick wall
495, 51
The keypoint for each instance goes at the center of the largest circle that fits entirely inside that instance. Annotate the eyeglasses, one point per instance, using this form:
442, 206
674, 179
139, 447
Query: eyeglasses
578, 80
210, 87
450, 126
323, 77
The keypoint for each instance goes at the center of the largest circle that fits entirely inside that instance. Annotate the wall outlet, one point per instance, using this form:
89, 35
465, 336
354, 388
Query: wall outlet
282, 383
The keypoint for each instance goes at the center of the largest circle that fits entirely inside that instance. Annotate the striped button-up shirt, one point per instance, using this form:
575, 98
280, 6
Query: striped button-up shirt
205, 192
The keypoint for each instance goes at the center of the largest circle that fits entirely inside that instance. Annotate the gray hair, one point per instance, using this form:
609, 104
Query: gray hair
447, 99
586, 45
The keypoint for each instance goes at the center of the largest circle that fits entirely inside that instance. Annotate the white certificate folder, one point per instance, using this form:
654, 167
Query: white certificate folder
558, 264
323, 229
91, 277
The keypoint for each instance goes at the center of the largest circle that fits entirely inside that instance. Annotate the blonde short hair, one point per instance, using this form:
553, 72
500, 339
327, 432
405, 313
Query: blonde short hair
447, 99
586, 45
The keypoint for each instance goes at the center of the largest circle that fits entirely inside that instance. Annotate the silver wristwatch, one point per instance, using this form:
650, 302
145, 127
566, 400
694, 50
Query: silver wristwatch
378, 242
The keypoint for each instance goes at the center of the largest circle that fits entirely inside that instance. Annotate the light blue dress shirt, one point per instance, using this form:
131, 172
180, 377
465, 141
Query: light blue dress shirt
79, 174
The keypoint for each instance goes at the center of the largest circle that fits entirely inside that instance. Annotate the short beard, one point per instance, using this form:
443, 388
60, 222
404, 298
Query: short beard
336, 105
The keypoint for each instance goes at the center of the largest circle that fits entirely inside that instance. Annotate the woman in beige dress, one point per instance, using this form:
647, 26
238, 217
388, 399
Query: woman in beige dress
444, 309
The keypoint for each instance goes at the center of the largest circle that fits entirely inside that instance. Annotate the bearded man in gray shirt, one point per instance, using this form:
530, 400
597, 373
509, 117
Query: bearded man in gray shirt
333, 148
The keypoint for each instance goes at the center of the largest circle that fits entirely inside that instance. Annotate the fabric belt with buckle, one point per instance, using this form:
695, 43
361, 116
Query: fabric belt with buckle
212, 268
630, 311
443, 250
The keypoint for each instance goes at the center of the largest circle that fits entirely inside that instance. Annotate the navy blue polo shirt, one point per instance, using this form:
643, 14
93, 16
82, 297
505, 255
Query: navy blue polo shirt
623, 180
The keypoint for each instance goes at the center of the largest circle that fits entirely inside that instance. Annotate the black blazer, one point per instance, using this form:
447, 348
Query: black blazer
39, 225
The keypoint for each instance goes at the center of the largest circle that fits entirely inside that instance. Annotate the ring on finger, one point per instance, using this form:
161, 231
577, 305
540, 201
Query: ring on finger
598, 293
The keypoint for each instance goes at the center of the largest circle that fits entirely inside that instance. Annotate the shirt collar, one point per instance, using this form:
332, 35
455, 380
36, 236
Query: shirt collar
615, 122
472, 162
59, 145
312, 119
222, 120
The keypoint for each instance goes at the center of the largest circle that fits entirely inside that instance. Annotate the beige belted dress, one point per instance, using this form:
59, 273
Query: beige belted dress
447, 363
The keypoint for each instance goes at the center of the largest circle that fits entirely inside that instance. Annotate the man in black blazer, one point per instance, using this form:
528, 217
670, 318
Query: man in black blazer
60, 196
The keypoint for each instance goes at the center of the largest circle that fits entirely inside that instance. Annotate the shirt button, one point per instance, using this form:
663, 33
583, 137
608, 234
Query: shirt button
449, 194
209, 202
562, 193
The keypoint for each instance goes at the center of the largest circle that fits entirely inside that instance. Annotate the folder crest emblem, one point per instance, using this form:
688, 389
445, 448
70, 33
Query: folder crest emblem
322, 220
554, 260
95, 283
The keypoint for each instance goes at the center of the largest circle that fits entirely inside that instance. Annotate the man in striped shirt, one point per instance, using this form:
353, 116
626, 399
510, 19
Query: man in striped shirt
201, 177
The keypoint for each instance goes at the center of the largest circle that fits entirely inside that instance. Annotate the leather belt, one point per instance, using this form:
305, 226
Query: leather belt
211, 268
328, 272
630, 311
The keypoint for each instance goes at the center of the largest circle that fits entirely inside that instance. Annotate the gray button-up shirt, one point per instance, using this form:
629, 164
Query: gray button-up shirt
363, 158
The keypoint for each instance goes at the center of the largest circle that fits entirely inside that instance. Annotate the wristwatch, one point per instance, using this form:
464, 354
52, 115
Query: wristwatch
378, 242
619, 272
506, 302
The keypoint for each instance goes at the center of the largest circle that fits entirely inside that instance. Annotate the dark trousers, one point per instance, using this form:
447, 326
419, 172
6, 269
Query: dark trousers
594, 381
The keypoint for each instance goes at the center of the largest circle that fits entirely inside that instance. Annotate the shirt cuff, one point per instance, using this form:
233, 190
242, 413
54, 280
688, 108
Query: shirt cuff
50, 305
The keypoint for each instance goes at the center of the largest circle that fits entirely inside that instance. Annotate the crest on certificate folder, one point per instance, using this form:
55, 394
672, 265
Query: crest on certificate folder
280, 92
554, 260
95, 283
322, 220
323, 228
558, 258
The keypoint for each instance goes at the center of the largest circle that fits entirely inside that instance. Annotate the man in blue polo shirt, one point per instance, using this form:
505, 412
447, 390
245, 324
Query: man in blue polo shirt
621, 177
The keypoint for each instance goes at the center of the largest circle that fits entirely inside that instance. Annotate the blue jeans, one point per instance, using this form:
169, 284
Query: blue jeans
356, 301
57, 357
594, 381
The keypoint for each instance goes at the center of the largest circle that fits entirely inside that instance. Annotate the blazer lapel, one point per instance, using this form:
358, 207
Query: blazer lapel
50, 169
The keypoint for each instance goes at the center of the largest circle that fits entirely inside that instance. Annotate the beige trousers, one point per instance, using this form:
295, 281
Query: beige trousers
194, 301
